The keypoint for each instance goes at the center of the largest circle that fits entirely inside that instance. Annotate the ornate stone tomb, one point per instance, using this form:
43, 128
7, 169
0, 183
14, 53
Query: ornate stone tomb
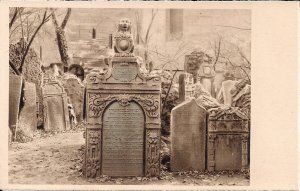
228, 136
188, 137
55, 107
122, 116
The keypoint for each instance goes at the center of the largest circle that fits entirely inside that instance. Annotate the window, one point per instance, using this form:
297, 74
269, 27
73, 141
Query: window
174, 24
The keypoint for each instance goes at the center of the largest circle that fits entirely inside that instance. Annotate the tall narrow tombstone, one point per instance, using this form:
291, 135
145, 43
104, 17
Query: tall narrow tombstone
28, 117
15, 87
188, 137
122, 115
75, 90
56, 114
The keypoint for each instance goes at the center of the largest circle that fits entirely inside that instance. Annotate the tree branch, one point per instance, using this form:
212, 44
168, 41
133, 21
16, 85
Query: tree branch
14, 68
65, 21
234, 27
149, 27
44, 20
14, 17
217, 52
168, 92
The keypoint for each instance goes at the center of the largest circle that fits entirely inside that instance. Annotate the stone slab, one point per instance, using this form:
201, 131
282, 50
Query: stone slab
188, 137
56, 114
228, 152
28, 115
123, 140
15, 86
75, 90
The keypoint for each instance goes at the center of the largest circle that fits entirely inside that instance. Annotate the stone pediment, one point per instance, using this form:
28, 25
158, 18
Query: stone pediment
227, 114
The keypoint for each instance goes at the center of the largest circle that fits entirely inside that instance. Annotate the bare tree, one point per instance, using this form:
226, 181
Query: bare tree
61, 38
21, 19
144, 39
230, 54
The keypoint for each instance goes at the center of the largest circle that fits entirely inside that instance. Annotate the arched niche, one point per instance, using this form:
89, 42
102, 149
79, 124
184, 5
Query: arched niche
123, 139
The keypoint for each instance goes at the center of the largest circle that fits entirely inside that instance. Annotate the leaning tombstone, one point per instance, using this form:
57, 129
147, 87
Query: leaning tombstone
55, 105
122, 116
28, 118
188, 137
15, 87
228, 136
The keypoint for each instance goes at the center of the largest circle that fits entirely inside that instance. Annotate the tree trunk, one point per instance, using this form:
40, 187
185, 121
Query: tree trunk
61, 39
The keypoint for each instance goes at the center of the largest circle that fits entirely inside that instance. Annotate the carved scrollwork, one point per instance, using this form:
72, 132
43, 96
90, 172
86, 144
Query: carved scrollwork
98, 103
96, 76
150, 104
152, 153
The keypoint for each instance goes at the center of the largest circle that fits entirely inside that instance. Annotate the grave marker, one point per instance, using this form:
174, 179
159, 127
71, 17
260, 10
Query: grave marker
188, 137
123, 115
56, 114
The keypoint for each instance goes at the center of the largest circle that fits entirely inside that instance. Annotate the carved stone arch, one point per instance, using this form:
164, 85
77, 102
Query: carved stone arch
110, 102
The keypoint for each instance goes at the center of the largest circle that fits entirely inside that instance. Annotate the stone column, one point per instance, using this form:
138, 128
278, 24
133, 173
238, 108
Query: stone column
211, 152
244, 138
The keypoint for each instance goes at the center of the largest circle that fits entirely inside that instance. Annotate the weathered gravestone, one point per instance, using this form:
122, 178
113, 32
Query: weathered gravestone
15, 87
225, 94
75, 90
188, 136
31, 70
55, 106
28, 116
192, 63
228, 136
123, 116
186, 87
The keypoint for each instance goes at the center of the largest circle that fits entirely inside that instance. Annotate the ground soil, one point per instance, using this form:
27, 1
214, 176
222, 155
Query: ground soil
56, 158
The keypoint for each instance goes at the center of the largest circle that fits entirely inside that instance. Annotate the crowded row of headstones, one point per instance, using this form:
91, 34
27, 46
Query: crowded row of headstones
207, 134
123, 115
61, 99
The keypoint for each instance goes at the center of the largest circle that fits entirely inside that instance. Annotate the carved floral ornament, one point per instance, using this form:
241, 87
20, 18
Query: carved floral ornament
227, 114
97, 103
152, 153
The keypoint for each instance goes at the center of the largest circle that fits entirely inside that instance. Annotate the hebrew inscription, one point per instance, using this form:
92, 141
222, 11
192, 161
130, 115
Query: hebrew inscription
123, 140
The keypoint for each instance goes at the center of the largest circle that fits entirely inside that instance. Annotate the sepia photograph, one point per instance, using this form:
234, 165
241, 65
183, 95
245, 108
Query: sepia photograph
129, 96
